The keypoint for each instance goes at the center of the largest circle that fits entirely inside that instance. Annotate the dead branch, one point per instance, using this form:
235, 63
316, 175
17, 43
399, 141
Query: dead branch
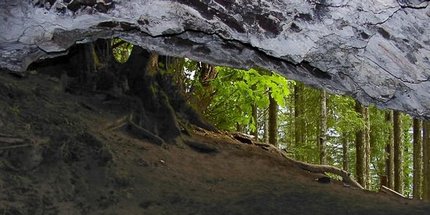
391, 192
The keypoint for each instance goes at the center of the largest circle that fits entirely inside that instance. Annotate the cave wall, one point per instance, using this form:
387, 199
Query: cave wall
375, 50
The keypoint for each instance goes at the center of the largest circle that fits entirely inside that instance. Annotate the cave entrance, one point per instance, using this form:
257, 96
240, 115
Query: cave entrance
172, 95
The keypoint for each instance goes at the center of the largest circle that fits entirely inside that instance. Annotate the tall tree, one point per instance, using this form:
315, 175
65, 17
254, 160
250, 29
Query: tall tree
389, 151
426, 160
345, 157
366, 118
299, 121
323, 127
265, 126
204, 93
255, 119
273, 122
398, 152
417, 158
360, 149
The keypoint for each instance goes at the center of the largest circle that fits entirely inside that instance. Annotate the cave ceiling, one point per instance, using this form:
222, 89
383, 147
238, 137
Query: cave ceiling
377, 51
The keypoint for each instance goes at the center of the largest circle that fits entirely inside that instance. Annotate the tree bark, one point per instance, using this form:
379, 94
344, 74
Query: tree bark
426, 160
273, 122
203, 98
265, 126
360, 149
255, 119
345, 157
398, 152
299, 124
367, 146
389, 151
417, 159
323, 127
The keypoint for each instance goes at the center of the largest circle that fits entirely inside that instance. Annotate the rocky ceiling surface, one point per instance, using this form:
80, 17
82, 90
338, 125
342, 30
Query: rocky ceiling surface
378, 51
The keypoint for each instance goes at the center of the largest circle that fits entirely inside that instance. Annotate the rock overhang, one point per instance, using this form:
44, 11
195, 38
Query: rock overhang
378, 51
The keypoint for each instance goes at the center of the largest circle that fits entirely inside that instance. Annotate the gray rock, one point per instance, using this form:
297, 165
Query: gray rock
377, 51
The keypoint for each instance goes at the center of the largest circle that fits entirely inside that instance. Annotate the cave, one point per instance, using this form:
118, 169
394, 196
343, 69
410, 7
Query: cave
117, 137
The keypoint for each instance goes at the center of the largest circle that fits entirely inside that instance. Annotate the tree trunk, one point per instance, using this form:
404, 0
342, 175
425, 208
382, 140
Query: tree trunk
265, 126
360, 149
417, 157
389, 151
273, 124
299, 124
367, 155
345, 162
323, 128
255, 119
398, 152
203, 98
426, 160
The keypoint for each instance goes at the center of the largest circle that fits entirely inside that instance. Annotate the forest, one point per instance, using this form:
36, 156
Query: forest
380, 147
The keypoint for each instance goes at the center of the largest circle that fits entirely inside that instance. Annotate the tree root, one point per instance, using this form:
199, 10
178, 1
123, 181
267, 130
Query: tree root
11, 140
119, 123
346, 176
143, 133
15, 146
201, 147
127, 122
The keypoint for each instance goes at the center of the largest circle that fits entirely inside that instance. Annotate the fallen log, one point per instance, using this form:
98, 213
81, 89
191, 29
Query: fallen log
346, 176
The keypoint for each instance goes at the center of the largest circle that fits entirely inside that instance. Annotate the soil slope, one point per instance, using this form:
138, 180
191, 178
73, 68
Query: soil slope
61, 154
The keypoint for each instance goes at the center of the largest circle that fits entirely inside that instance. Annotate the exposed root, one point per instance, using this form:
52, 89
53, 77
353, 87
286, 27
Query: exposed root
15, 146
346, 176
127, 122
119, 123
11, 140
201, 147
243, 138
143, 133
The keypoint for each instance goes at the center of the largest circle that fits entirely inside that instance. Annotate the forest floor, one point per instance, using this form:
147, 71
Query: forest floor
58, 155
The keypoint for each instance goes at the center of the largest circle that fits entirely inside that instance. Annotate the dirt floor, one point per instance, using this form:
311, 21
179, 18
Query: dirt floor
59, 154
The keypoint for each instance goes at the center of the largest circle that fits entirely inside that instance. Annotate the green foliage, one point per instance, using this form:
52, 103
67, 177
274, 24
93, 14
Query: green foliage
121, 50
235, 91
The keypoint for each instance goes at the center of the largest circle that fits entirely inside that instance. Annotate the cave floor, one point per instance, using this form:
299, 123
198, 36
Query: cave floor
59, 155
